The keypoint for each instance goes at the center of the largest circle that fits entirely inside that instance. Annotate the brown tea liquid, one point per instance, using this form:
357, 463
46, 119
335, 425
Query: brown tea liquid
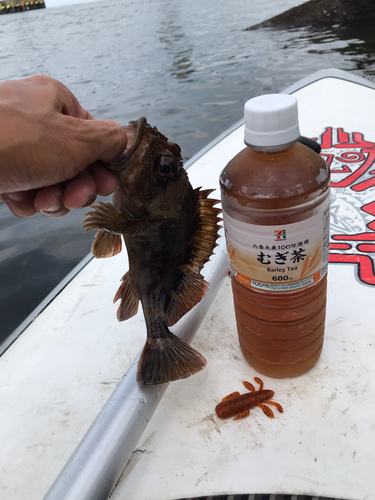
280, 332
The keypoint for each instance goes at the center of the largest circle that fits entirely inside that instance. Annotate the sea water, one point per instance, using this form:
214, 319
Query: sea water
188, 66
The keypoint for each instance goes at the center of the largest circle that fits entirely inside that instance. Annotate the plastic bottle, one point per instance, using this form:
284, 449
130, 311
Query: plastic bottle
275, 199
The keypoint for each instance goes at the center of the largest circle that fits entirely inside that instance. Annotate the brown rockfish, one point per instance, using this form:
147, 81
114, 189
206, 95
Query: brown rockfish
170, 231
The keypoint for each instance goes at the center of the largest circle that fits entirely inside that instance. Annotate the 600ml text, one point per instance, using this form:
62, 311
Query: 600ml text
281, 278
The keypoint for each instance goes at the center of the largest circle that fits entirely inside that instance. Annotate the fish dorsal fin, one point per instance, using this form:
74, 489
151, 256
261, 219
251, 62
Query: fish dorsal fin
192, 286
106, 245
129, 298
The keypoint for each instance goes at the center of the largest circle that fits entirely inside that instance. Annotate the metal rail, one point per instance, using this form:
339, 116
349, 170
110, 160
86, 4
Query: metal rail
93, 470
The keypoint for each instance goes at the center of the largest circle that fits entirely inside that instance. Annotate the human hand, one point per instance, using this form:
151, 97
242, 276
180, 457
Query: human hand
50, 147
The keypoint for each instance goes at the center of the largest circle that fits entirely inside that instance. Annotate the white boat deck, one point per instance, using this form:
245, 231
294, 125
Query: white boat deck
58, 375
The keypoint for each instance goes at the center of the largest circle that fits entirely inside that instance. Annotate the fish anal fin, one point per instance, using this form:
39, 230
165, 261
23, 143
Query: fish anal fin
106, 245
190, 291
129, 298
166, 359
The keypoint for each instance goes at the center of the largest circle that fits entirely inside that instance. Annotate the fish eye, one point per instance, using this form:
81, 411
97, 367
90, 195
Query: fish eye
166, 166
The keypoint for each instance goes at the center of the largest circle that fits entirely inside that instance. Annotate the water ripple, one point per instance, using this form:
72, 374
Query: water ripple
189, 66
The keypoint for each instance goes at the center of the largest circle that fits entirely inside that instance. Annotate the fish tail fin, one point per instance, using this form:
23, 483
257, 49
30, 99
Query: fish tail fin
166, 359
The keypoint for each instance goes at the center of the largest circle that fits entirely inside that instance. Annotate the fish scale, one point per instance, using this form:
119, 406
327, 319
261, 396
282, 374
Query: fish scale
170, 232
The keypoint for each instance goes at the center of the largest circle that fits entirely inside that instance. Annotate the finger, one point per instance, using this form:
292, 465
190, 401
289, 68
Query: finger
67, 103
71, 106
79, 191
48, 201
105, 179
54, 92
21, 203
102, 140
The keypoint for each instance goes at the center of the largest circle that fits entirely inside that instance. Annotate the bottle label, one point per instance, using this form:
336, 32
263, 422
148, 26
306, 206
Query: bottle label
279, 258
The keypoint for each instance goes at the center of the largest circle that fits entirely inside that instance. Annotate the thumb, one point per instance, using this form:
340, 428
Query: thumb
102, 140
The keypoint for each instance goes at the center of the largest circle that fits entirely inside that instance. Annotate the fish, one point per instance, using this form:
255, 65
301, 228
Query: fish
170, 232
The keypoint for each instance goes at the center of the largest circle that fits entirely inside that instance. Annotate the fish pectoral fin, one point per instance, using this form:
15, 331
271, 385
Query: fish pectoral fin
190, 291
106, 245
105, 217
166, 359
129, 298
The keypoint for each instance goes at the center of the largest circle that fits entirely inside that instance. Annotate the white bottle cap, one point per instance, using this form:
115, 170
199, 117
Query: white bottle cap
271, 120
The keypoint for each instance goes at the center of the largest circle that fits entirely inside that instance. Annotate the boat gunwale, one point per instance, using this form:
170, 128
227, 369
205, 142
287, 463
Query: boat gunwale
304, 82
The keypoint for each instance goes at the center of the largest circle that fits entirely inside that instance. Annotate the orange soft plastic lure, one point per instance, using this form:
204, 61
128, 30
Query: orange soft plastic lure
238, 405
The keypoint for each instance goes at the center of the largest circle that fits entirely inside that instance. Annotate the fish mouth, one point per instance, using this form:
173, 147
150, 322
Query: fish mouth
134, 131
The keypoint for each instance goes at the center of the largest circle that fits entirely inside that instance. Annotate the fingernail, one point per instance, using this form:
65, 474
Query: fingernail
89, 200
55, 204
54, 207
17, 196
